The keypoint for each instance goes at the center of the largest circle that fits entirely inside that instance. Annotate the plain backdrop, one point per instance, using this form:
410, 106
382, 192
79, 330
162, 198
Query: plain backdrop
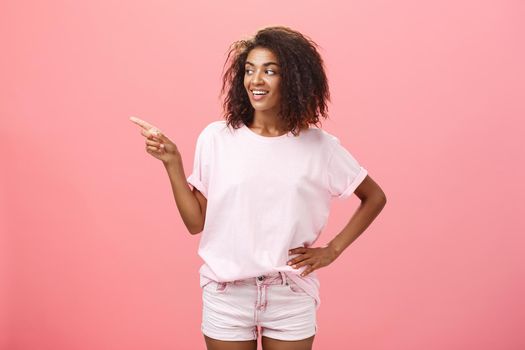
427, 95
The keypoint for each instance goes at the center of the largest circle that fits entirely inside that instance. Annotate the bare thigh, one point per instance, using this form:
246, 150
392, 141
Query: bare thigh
275, 344
214, 344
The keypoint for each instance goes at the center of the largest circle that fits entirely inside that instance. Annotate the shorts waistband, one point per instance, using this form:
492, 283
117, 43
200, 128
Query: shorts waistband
278, 277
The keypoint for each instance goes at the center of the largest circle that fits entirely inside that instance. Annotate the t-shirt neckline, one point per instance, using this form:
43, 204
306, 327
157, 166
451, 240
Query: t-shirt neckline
255, 135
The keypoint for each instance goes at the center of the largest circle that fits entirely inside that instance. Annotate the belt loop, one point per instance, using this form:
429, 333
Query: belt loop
283, 277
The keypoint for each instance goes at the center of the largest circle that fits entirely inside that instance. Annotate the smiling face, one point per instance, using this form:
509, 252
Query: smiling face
262, 73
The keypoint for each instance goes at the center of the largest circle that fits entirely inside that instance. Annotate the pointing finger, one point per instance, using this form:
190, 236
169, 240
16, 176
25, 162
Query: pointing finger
150, 129
150, 135
144, 124
155, 132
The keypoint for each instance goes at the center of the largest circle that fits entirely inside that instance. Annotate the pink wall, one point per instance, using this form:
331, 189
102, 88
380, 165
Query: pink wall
428, 96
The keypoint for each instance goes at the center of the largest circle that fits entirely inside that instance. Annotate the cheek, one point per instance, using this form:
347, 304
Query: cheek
277, 87
277, 92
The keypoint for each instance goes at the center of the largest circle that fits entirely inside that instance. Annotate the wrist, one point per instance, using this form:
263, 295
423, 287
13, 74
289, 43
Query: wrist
334, 248
173, 162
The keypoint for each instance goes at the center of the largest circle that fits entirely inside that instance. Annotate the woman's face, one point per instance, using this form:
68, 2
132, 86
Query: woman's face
262, 73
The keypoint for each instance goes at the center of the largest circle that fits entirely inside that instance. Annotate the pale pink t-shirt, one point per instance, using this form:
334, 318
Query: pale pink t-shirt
266, 195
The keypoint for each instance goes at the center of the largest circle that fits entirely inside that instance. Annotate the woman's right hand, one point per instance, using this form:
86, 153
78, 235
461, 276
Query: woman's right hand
157, 144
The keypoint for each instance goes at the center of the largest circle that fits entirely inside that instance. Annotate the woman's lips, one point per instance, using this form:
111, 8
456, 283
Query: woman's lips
258, 97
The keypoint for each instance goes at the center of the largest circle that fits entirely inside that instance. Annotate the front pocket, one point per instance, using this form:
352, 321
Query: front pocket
294, 288
206, 284
221, 287
216, 287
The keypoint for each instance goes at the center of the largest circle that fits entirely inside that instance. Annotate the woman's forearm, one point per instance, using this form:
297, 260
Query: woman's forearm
363, 216
187, 203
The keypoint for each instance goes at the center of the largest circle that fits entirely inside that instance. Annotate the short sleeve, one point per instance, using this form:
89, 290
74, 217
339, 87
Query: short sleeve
344, 173
199, 178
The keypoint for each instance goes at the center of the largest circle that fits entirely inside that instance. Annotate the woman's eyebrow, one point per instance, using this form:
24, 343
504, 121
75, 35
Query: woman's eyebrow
264, 64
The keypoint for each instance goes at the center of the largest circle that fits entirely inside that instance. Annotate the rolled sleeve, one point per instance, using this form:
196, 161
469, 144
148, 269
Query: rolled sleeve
199, 178
344, 173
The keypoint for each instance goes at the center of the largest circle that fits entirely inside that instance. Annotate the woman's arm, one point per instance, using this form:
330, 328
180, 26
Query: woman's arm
191, 204
203, 203
373, 199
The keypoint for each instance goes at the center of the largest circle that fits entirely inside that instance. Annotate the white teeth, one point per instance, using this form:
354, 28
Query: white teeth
259, 92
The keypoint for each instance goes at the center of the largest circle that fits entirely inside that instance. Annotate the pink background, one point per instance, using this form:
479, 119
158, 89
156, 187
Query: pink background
428, 96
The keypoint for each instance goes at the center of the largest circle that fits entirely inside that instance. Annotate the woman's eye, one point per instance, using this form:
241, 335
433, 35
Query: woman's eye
268, 70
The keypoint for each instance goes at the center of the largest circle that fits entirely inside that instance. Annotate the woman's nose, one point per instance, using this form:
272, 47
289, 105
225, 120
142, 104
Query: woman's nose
256, 78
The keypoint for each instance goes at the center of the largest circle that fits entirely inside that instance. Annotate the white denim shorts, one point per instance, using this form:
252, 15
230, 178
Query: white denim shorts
234, 310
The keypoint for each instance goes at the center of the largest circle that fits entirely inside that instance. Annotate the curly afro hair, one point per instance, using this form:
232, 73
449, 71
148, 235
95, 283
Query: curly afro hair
304, 85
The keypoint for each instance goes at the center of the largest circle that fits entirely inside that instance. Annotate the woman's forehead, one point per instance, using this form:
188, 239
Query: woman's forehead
261, 56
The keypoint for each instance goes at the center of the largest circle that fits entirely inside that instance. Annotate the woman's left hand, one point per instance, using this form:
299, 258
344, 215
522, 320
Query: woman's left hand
314, 257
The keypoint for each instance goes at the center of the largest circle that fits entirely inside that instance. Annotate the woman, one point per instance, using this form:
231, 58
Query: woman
262, 181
